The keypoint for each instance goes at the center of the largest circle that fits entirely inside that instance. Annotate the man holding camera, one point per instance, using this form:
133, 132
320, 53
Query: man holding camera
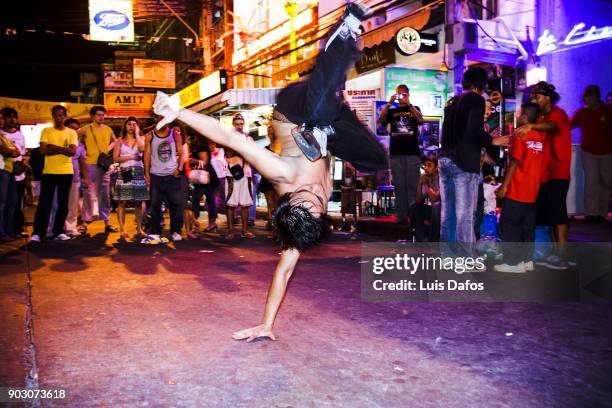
403, 124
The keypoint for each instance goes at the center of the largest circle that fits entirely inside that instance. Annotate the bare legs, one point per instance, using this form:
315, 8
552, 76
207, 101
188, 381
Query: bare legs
138, 209
244, 218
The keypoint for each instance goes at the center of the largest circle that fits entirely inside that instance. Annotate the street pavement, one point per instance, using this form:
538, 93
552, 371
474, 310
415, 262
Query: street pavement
127, 325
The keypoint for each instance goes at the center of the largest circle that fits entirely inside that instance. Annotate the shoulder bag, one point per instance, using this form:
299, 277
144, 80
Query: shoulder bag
104, 159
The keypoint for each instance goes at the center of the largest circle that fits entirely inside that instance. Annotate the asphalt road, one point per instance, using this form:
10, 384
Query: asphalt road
124, 325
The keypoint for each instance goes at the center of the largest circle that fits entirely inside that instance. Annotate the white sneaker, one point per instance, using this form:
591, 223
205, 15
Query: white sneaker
518, 268
176, 236
73, 234
528, 266
62, 237
34, 238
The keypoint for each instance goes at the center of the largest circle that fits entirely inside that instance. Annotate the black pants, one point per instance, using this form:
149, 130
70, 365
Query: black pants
166, 189
425, 219
517, 224
209, 191
18, 219
48, 184
316, 102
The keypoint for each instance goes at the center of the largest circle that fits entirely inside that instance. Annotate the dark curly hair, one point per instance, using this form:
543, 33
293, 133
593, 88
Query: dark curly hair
296, 226
546, 89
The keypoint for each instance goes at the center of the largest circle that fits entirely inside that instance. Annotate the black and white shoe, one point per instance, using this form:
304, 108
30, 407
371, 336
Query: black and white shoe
307, 142
350, 25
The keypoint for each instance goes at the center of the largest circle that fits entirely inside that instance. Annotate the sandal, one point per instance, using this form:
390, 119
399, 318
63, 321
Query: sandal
247, 235
211, 228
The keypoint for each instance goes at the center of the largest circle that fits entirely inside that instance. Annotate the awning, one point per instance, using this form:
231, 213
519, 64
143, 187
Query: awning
388, 31
236, 97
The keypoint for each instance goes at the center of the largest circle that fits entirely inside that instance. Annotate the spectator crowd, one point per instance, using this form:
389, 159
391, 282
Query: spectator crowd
79, 173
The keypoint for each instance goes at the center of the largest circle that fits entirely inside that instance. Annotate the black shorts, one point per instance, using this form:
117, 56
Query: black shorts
551, 205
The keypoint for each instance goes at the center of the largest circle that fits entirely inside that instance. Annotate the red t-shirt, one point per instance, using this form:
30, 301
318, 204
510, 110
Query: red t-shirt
560, 145
529, 173
596, 132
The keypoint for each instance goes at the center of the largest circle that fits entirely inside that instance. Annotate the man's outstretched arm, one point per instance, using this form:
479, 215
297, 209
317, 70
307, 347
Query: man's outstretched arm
276, 293
266, 162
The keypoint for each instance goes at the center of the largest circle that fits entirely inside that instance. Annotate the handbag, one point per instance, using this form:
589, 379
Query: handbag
104, 160
199, 176
126, 175
236, 171
19, 168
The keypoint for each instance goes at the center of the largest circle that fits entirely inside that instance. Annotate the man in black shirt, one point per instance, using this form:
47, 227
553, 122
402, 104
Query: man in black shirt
463, 138
404, 121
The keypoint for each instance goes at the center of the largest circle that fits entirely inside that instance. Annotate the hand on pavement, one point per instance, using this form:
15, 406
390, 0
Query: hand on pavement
166, 108
253, 333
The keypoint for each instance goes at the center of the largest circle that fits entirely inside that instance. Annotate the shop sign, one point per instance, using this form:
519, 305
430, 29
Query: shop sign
362, 102
273, 36
548, 43
205, 88
407, 41
111, 20
124, 104
428, 88
154, 73
118, 80
376, 57
124, 60
429, 43
32, 112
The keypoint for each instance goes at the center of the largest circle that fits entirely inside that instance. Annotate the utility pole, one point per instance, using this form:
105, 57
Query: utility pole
207, 40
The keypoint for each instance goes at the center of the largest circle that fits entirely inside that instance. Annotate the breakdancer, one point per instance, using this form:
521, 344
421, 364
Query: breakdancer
310, 120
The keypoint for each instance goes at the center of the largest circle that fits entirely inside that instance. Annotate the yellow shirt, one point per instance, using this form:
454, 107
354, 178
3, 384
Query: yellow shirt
8, 161
58, 163
97, 139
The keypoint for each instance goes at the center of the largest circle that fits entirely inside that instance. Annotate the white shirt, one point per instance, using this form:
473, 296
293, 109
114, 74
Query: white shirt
219, 163
19, 141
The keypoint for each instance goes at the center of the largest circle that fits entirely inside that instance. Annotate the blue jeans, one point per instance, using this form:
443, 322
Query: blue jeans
254, 191
458, 193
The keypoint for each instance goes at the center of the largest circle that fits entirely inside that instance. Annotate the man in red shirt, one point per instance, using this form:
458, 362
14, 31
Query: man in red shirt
595, 120
551, 205
520, 191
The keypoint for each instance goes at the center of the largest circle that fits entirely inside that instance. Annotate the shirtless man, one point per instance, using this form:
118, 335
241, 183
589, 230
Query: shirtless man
309, 119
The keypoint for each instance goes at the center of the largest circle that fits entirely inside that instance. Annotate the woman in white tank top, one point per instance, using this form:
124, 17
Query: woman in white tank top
130, 185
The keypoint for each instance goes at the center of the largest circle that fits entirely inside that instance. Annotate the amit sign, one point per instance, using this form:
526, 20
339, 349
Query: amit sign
548, 43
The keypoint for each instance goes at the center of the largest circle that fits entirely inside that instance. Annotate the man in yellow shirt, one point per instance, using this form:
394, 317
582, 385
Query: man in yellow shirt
58, 144
98, 139
8, 198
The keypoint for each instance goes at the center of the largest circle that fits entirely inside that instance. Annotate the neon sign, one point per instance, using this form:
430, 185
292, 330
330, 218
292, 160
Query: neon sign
576, 37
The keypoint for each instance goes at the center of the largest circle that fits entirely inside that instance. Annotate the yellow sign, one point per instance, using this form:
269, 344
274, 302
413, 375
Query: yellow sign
154, 73
123, 105
206, 87
32, 112
495, 97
